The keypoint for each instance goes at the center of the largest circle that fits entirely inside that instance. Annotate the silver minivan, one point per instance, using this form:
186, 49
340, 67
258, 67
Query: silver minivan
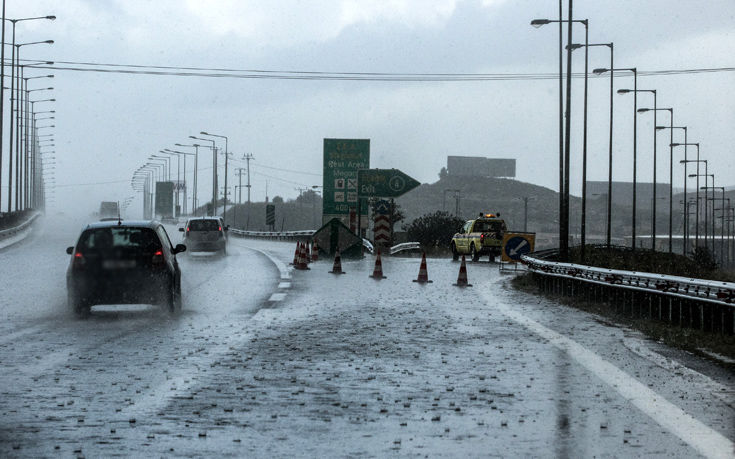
205, 234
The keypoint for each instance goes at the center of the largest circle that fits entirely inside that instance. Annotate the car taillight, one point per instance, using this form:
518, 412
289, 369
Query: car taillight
79, 261
482, 237
219, 229
158, 258
188, 229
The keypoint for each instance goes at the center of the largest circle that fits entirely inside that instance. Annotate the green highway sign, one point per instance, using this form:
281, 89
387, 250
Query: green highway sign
342, 159
384, 183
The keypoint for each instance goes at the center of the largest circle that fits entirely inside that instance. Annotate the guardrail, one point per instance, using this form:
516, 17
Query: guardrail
306, 234
10, 232
699, 303
403, 247
279, 235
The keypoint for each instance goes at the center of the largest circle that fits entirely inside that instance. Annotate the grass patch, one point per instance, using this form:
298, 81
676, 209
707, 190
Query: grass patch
688, 339
701, 265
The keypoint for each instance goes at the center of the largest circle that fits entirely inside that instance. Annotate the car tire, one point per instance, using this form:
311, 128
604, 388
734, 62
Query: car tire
77, 305
173, 299
455, 254
474, 253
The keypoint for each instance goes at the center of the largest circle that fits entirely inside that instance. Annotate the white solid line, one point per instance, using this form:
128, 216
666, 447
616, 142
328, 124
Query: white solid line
699, 436
284, 285
277, 297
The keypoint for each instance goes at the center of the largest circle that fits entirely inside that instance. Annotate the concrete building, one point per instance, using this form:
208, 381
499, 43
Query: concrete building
476, 166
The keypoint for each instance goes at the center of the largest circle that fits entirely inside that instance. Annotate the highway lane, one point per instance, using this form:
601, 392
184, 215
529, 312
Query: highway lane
346, 365
66, 379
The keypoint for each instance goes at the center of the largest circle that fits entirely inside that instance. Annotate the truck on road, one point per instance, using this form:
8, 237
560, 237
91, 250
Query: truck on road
109, 209
478, 237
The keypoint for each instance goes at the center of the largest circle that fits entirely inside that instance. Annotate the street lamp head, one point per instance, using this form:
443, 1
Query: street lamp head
204, 133
643, 110
624, 91
600, 71
574, 46
540, 22
50, 42
52, 17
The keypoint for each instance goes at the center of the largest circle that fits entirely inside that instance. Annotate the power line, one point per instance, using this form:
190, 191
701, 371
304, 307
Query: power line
133, 69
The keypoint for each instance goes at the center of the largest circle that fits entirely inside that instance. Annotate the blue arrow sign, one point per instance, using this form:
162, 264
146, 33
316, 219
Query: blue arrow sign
517, 246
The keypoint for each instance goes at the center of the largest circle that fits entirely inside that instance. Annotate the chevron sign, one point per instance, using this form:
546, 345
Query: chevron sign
381, 228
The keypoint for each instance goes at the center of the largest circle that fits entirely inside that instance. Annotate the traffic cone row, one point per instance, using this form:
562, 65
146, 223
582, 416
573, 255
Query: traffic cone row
378, 271
301, 258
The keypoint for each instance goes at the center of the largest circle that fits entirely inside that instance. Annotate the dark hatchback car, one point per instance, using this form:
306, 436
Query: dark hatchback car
123, 262
205, 234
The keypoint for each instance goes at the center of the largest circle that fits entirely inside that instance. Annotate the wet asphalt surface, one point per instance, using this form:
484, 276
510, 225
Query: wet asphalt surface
322, 365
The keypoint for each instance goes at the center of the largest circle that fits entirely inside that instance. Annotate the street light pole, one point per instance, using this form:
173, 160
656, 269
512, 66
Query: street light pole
635, 142
583, 225
563, 139
214, 171
671, 158
224, 212
671, 174
685, 162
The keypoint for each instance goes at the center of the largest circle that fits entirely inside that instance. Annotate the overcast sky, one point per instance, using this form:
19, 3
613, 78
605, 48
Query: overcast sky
107, 124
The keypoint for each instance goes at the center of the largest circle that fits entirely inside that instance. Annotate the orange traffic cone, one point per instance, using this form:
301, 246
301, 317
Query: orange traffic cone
423, 275
337, 268
462, 278
378, 271
307, 255
296, 255
302, 258
314, 251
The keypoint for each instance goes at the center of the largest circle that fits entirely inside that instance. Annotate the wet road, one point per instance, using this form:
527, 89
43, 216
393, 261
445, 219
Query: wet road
260, 364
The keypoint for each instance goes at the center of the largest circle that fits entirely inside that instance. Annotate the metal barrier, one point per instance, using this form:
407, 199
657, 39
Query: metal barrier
405, 246
699, 303
10, 232
307, 234
277, 235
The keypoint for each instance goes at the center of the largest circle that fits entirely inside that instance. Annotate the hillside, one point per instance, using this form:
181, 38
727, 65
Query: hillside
503, 196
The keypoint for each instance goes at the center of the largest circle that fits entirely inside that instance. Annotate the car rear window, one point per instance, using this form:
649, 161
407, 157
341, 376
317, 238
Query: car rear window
204, 225
116, 237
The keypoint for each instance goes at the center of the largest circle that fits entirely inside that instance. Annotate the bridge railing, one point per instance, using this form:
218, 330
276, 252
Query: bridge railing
698, 303
10, 232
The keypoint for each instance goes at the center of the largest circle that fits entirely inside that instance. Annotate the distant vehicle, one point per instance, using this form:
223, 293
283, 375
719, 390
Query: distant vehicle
109, 209
206, 234
481, 236
117, 262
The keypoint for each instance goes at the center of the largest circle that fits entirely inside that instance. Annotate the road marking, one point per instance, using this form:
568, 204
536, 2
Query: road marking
284, 270
277, 297
11, 338
284, 285
699, 436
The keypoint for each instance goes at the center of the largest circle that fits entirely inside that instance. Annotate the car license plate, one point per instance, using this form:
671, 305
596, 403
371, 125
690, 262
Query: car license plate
118, 264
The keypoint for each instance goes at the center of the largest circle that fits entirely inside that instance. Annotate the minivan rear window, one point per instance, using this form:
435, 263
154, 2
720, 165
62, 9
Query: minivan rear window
204, 225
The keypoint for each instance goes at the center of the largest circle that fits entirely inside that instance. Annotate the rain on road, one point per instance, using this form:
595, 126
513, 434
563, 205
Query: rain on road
264, 362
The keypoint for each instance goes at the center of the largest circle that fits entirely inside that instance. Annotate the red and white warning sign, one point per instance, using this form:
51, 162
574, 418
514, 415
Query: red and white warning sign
381, 228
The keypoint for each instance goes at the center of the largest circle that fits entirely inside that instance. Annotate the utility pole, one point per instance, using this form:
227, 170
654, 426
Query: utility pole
238, 189
239, 171
247, 158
